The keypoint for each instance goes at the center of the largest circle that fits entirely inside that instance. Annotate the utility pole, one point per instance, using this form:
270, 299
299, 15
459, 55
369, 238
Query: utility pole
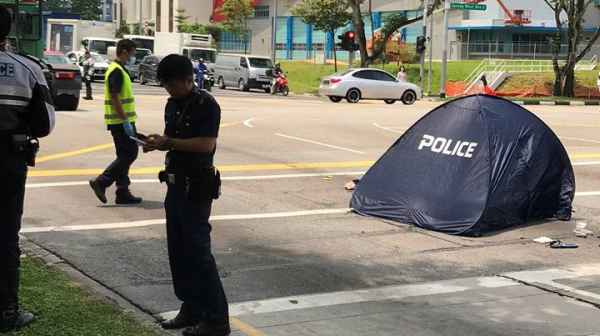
444, 51
430, 48
274, 33
422, 66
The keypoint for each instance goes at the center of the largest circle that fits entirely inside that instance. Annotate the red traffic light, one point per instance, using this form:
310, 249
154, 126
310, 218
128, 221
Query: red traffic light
350, 35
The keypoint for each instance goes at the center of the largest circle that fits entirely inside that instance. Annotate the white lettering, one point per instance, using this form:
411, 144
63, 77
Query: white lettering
426, 141
471, 149
438, 145
446, 151
460, 150
441, 145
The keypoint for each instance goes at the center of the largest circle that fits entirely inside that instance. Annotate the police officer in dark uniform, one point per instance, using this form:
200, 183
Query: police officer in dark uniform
26, 113
192, 118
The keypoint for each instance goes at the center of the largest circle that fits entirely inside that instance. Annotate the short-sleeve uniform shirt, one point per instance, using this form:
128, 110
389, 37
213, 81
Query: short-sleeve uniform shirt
197, 115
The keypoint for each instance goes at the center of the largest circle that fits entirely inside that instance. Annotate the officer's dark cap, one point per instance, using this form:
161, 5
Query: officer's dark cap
174, 67
5, 22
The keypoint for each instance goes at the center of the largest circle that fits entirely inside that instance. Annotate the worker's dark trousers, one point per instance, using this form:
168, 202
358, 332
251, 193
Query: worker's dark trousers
193, 267
88, 87
13, 172
127, 151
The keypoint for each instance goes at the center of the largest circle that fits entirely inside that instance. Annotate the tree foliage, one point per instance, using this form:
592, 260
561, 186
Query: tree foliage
392, 24
87, 9
236, 14
324, 15
569, 19
181, 20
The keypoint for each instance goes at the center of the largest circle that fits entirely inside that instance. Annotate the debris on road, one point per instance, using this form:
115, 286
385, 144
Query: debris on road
581, 231
560, 245
544, 240
352, 184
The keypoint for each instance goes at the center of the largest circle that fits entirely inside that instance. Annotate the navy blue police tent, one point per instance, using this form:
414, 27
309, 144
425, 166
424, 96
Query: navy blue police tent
472, 165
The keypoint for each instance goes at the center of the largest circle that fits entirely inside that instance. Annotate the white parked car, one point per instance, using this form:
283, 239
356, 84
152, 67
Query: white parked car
357, 84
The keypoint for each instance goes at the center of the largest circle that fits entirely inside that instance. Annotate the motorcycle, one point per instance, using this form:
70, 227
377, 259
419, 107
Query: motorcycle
209, 80
280, 85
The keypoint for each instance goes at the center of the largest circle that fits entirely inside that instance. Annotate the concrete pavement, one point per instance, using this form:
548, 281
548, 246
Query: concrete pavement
281, 231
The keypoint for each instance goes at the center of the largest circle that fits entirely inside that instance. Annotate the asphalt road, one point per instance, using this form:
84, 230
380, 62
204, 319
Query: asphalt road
280, 228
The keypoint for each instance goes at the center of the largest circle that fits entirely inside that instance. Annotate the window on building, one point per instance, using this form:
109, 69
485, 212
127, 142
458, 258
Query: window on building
158, 16
261, 11
171, 16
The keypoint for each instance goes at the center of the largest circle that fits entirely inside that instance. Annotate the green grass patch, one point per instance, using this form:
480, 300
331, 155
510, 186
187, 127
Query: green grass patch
304, 77
63, 308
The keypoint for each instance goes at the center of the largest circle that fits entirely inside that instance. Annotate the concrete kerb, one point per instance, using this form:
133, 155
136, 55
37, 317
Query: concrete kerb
52, 260
558, 102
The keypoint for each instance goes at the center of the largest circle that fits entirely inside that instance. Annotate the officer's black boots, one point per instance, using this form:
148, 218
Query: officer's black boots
124, 196
213, 328
180, 321
99, 190
13, 319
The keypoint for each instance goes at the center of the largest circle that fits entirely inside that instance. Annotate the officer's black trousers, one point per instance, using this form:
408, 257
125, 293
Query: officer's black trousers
13, 172
127, 151
193, 267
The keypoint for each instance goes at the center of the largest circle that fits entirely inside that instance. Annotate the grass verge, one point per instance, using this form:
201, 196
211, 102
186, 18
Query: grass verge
63, 308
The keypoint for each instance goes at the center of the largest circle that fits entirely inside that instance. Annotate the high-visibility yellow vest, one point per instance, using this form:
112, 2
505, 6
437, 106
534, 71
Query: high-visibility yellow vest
126, 96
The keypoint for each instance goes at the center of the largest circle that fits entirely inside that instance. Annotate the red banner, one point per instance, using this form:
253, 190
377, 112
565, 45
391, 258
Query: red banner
217, 16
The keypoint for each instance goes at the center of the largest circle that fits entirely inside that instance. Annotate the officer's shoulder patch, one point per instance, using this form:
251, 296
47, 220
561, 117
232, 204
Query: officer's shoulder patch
7, 69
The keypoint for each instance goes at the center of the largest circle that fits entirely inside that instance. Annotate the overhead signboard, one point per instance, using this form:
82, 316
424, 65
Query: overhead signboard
467, 6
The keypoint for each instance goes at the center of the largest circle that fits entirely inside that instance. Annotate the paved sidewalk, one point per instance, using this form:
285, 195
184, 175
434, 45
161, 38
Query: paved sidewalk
547, 302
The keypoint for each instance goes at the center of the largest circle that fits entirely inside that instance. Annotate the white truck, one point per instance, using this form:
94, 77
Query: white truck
193, 46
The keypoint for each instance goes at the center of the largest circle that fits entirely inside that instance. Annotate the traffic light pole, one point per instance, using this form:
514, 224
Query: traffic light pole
422, 66
430, 48
444, 51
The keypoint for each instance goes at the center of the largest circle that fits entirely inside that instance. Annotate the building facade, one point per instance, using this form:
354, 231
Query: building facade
472, 33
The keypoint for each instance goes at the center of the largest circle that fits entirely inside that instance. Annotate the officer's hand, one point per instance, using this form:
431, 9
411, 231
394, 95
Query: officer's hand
157, 142
128, 128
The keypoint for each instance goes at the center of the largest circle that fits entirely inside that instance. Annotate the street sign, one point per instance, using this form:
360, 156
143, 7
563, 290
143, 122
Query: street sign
467, 6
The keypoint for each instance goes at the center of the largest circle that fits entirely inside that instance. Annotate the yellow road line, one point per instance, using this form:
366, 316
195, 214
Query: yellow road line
74, 153
98, 148
245, 328
223, 168
243, 168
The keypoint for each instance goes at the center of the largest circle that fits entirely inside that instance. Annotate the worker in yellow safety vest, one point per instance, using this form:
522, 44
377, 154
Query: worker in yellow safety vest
120, 117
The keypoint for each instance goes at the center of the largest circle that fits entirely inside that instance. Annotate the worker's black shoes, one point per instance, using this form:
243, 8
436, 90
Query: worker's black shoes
124, 196
99, 190
14, 320
180, 321
212, 328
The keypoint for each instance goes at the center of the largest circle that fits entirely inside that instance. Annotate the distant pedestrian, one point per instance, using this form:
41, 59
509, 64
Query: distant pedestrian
401, 76
88, 74
486, 88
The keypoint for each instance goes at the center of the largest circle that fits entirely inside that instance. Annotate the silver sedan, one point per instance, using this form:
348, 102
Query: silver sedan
357, 84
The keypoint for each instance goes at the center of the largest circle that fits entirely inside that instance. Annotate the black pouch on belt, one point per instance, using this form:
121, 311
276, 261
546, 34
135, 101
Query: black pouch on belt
204, 186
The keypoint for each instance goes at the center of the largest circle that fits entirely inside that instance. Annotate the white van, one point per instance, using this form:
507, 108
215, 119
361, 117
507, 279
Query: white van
99, 45
244, 72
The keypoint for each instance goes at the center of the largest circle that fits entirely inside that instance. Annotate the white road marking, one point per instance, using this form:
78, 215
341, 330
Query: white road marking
248, 123
547, 277
362, 295
587, 193
224, 178
319, 143
151, 222
580, 139
387, 128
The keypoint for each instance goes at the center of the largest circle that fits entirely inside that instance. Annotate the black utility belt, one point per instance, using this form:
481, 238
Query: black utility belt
25, 145
203, 186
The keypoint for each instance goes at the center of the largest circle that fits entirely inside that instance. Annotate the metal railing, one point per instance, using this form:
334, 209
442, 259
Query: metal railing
501, 50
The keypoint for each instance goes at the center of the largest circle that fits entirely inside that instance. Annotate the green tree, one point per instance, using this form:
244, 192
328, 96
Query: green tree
181, 20
569, 19
324, 15
122, 30
88, 9
236, 14
392, 24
